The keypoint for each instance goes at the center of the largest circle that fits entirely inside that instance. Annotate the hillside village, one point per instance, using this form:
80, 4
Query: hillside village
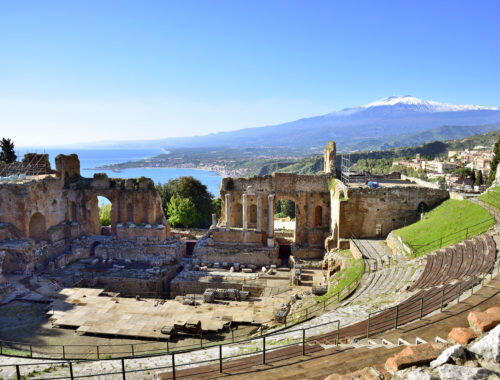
447, 171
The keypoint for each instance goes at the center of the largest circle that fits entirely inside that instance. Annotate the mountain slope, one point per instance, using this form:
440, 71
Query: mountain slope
390, 116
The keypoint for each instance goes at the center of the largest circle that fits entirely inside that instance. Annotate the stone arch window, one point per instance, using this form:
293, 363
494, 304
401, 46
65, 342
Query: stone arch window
422, 207
72, 210
318, 216
37, 227
252, 213
130, 212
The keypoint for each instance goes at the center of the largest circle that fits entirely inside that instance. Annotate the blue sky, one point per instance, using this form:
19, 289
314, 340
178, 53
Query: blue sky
79, 71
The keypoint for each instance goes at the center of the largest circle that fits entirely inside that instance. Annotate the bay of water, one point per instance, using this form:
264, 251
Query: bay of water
90, 158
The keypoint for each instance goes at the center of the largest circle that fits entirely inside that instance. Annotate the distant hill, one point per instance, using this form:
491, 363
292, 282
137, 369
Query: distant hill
352, 126
390, 122
445, 132
312, 165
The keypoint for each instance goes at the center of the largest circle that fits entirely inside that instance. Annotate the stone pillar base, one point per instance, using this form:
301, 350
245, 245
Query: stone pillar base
270, 242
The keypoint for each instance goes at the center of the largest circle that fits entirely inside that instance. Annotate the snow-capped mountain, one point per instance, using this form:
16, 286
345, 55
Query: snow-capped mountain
417, 104
391, 116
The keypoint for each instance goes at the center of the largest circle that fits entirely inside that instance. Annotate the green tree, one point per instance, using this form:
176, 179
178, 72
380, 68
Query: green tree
479, 178
192, 189
284, 208
217, 207
105, 215
8, 154
494, 162
182, 212
465, 173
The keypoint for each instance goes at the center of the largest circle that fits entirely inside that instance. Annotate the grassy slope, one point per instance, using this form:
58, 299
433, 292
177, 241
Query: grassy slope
353, 269
492, 197
448, 218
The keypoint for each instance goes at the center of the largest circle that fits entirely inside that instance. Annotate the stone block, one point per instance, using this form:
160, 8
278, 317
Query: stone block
482, 321
411, 356
462, 335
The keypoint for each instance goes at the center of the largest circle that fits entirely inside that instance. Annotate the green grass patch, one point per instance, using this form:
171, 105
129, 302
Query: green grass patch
352, 270
448, 221
492, 197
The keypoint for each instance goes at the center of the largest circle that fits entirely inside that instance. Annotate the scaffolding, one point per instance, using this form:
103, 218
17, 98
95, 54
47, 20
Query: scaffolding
345, 167
33, 164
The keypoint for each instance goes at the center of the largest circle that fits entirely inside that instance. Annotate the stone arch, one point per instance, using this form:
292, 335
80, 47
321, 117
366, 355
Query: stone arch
37, 227
318, 216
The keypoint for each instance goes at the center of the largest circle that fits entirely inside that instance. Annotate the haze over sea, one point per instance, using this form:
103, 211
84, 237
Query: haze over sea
91, 158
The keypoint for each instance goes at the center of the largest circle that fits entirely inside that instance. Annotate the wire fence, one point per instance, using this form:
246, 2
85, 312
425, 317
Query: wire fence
455, 237
435, 299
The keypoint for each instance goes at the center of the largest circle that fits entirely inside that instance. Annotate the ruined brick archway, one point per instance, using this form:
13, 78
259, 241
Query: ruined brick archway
37, 227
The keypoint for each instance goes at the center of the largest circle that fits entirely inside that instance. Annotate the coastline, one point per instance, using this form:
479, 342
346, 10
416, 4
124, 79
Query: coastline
218, 171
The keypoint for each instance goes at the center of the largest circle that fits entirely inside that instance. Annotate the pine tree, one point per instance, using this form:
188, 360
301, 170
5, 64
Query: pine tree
7, 155
494, 162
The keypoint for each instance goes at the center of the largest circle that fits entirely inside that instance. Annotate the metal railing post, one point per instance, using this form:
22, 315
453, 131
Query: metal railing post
168, 348
397, 316
421, 306
303, 342
64, 352
232, 335
467, 232
264, 349
18, 372
123, 369
31, 351
71, 370
132, 349
338, 331
220, 358
173, 365
442, 299
97, 351
368, 326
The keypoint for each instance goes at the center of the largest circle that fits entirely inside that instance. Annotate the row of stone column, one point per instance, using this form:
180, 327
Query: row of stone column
270, 200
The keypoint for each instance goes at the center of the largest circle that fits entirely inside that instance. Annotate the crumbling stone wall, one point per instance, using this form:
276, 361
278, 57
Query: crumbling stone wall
242, 197
46, 213
364, 212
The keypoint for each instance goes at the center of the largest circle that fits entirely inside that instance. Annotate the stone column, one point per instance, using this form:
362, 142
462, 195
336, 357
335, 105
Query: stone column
214, 221
228, 210
259, 212
270, 221
244, 212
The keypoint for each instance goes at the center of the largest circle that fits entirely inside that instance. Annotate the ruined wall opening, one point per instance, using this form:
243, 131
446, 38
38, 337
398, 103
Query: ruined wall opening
284, 221
37, 227
105, 214
93, 247
318, 216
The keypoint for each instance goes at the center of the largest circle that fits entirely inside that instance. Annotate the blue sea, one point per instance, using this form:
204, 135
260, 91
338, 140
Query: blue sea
90, 158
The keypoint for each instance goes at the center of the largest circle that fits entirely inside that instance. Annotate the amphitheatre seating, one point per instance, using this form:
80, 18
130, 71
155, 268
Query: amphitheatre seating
385, 281
472, 257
